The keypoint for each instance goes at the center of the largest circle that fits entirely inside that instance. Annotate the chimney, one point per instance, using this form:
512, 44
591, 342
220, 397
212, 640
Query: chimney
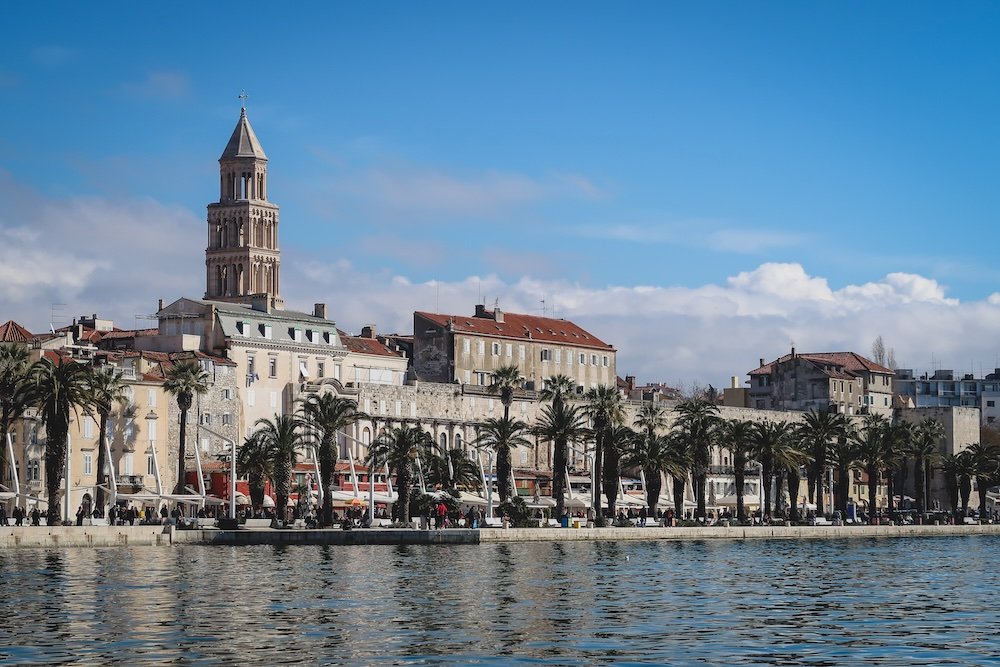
498, 315
319, 310
630, 382
368, 331
159, 305
734, 381
793, 353
762, 361
261, 302
481, 310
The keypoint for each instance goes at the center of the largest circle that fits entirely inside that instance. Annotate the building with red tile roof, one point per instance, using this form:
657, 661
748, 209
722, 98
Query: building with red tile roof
845, 382
12, 332
467, 349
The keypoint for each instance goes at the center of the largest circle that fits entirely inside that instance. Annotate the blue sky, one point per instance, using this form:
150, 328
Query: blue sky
615, 160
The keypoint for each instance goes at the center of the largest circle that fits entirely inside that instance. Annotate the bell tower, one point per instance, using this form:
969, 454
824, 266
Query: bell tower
242, 258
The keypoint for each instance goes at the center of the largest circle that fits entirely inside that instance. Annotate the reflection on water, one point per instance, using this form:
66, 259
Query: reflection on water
918, 601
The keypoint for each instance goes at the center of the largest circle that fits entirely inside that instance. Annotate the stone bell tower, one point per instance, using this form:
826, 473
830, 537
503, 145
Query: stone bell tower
242, 258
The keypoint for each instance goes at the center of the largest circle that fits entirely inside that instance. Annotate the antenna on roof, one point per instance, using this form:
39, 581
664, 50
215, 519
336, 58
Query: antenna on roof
543, 305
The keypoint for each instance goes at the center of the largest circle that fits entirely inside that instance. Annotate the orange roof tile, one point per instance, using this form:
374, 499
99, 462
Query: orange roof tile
12, 332
524, 327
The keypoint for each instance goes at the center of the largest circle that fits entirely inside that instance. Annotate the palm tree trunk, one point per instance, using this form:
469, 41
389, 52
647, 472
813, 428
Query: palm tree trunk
401, 509
559, 477
598, 462
326, 478
611, 479
503, 472
872, 491
678, 485
101, 460
965, 485
843, 485
794, 479
890, 484
738, 472
766, 491
983, 486
653, 486
55, 465
918, 490
181, 453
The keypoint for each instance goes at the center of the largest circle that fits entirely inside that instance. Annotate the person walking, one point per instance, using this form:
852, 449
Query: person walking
35, 517
79, 515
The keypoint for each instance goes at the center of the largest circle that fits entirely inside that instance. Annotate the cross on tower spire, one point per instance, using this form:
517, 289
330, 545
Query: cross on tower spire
243, 100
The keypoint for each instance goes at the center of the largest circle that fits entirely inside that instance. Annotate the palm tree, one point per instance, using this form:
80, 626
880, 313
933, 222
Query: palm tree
58, 390
501, 435
788, 458
605, 409
255, 461
398, 448
105, 389
184, 380
985, 459
697, 421
871, 443
619, 442
561, 424
505, 380
13, 376
769, 440
325, 415
924, 449
736, 435
657, 455
816, 432
281, 437
450, 469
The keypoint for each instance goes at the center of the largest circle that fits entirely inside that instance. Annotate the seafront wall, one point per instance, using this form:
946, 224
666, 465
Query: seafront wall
88, 536
110, 536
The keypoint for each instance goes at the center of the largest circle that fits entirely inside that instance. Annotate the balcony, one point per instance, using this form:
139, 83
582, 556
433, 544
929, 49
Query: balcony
130, 480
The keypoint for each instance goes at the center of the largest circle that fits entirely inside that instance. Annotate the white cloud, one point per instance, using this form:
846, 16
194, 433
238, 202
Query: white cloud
93, 254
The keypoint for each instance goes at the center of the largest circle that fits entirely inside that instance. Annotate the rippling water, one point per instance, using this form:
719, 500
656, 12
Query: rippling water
916, 601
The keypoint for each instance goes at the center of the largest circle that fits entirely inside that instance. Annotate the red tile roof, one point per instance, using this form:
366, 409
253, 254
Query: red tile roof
850, 361
362, 345
128, 333
12, 332
523, 327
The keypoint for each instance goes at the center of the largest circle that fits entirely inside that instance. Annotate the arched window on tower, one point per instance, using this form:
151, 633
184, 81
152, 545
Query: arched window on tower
443, 441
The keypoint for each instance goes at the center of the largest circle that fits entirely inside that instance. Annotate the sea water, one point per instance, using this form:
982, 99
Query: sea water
900, 601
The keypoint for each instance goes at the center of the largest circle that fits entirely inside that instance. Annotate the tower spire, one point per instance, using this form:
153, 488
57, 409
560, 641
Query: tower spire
243, 101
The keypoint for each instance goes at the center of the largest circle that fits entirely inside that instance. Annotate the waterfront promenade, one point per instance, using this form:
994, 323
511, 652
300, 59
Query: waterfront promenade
109, 536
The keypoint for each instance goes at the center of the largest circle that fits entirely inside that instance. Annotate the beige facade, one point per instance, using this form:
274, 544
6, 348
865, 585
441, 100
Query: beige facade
467, 349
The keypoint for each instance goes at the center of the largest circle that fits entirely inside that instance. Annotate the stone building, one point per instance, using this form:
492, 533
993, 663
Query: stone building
467, 349
242, 258
841, 381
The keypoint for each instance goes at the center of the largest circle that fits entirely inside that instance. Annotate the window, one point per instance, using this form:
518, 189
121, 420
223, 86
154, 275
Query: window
150, 466
296, 335
520, 352
336, 372
583, 360
206, 418
546, 354
204, 444
251, 366
272, 367
88, 427
241, 329
524, 456
558, 356
88, 464
510, 350
274, 399
465, 346
34, 470
320, 369
127, 464
443, 440
496, 349
991, 404
569, 358
481, 346
604, 361
251, 398
227, 394
227, 419
151, 398
265, 330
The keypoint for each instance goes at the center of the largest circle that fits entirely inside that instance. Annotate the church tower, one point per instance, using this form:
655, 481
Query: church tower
242, 259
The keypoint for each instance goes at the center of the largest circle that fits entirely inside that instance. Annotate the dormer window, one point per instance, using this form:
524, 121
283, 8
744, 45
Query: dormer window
241, 328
